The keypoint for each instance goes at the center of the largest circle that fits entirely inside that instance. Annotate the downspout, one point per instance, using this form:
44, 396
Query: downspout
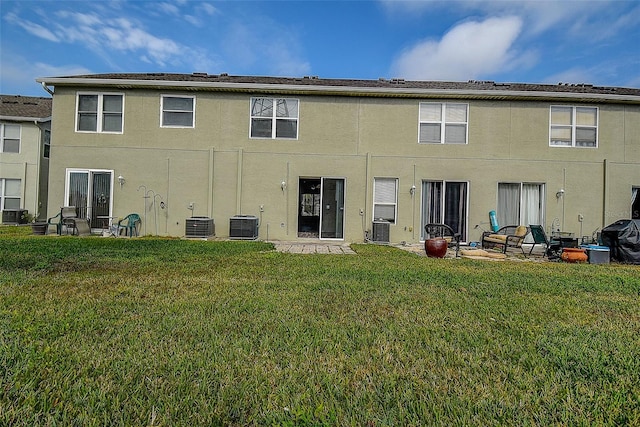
239, 184
605, 191
211, 159
38, 171
167, 205
44, 86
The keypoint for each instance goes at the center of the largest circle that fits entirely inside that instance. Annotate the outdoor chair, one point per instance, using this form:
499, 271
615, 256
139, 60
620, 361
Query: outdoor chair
129, 224
510, 236
432, 231
79, 226
64, 220
551, 247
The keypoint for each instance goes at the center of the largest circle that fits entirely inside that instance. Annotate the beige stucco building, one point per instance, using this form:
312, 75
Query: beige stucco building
318, 158
25, 124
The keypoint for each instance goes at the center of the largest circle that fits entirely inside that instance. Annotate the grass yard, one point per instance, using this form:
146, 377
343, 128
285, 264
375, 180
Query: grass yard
105, 331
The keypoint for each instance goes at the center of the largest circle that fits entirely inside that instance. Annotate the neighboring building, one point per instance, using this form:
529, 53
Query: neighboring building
324, 158
25, 129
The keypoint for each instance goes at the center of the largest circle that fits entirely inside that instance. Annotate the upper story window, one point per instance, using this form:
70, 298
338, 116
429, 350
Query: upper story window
274, 118
100, 112
10, 138
443, 123
573, 127
385, 199
178, 111
46, 144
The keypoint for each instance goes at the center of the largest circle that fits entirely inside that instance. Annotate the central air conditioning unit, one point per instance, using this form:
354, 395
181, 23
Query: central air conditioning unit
380, 231
14, 216
243, 227
199, 226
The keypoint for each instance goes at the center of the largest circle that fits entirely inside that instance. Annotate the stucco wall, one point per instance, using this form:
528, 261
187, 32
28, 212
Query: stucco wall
218, 168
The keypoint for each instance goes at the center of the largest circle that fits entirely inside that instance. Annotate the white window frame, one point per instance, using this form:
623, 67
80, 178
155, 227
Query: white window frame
274, 118
441, 213
383, 203
193, 111
3, 191
542, 205
100, 112
3, 137
46, 143
443, 122
573, 126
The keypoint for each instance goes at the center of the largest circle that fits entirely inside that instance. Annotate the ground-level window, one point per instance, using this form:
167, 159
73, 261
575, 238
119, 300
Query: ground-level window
520, 203
10, 190
385, 197
445, 202
10, 138
635, 203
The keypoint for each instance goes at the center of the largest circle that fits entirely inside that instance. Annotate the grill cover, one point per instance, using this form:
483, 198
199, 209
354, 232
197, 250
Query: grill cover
623, 239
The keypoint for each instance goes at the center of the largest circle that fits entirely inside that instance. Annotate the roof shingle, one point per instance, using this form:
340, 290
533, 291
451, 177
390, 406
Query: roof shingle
25, 106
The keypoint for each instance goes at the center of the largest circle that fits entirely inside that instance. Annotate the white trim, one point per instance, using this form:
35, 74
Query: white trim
394, 204
444, 183
193, 111
2, 138
99, 112
574, 125
89, 172
329, 89
274, 117
443, 122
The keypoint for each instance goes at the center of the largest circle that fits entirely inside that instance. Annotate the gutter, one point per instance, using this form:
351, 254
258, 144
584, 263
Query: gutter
44, 86
337, 90
25, 119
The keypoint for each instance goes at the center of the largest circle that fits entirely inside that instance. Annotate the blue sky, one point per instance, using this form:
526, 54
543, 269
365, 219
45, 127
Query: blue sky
575, 41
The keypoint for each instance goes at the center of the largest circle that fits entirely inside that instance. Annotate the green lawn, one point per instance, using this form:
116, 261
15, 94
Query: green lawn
105, 331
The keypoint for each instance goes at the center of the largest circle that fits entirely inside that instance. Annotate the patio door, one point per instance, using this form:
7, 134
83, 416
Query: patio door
520, 204
321, 208
445, 202
90, 192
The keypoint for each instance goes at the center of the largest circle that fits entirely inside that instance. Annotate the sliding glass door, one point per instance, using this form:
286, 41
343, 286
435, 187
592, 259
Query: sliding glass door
90, 192
445, 202
520, 204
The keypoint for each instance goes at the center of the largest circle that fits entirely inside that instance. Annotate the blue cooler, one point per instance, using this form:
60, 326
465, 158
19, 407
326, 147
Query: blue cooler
597, 254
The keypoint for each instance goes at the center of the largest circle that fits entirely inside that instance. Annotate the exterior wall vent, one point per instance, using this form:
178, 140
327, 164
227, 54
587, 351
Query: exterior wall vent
199, 226
380, 230
243, 227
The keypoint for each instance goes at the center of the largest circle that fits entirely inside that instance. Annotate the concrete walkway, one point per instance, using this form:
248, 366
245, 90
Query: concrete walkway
313, 248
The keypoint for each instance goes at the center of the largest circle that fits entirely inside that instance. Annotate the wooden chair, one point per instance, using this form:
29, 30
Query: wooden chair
510, 236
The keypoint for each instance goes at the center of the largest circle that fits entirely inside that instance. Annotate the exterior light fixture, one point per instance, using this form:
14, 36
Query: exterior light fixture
560, 193
412, 190
121, 180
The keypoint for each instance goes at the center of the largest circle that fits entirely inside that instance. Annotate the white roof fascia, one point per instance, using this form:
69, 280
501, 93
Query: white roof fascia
25, 119
334, 89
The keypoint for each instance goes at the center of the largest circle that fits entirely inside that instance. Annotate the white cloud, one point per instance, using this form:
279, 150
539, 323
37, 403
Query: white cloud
21, 73
32, 28
469, 50
279, 54
119, 35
